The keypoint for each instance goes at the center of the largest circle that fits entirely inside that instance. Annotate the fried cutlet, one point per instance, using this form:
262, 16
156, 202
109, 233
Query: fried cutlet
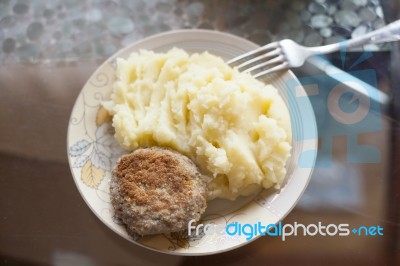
157, 190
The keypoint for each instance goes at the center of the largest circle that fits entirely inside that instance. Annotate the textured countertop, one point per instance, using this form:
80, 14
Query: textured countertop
67, 31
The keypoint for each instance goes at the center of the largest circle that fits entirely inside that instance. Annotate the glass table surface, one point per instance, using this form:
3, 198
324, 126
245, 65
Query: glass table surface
48, 50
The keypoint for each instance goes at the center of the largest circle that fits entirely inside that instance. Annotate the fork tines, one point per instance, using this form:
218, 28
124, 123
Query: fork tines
260, 61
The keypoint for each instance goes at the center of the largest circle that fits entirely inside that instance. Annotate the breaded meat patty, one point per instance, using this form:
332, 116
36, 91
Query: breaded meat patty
157, 190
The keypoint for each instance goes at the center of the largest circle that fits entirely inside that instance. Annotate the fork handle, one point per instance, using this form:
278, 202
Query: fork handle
389, 33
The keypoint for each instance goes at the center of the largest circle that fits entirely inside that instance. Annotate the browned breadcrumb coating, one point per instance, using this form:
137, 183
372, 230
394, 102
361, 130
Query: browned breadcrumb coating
157, 190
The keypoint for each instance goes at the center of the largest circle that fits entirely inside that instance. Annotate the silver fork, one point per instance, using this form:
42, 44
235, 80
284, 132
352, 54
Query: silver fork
286, 54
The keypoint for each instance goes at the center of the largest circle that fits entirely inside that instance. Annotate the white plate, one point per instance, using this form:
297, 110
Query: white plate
92, 149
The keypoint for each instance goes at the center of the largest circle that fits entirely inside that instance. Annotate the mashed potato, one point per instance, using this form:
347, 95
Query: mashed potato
235, 128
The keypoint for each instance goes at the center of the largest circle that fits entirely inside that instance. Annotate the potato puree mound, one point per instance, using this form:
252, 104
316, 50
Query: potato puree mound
235, 128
